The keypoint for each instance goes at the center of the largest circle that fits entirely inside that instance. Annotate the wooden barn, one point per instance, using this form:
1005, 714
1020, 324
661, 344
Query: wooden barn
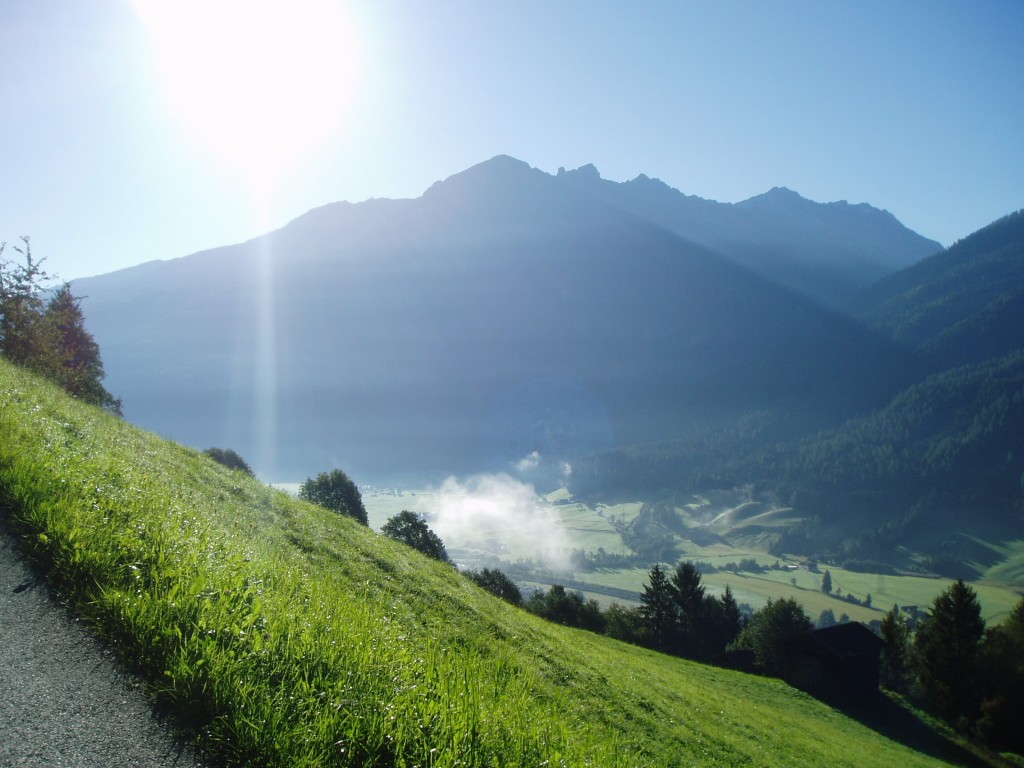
838, 664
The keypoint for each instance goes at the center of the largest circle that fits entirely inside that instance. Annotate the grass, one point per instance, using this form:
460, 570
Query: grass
276, 633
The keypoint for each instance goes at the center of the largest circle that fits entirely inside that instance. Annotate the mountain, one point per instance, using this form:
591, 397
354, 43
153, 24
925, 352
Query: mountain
505, 312
828, 251
931, 471
962, 305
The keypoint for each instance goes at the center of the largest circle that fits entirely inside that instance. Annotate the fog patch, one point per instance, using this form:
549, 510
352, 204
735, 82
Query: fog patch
528, 463
497, 515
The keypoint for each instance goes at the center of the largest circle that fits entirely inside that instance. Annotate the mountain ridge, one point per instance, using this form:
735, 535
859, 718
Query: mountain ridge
406, 331
963, 304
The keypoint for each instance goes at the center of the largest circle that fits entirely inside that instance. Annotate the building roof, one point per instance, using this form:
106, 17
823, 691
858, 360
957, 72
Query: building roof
841, 640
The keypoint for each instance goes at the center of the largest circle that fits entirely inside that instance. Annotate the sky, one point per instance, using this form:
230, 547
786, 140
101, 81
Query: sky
135, 130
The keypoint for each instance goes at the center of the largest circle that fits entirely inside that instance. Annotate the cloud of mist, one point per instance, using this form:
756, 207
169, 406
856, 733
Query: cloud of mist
527, 463
498, 515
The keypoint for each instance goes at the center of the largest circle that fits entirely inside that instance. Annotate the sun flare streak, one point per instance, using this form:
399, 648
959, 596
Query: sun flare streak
259, 86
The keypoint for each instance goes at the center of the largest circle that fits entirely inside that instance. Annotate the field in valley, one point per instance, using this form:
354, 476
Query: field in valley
591, 528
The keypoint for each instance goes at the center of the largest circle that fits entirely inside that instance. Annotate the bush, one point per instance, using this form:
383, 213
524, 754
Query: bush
497, 583
334, 490
229, 459
412, 530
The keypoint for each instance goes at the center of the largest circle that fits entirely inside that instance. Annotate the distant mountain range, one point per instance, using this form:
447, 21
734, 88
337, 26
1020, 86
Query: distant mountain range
506, 313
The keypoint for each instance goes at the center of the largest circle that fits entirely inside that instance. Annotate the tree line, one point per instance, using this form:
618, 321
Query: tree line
947, 662
43, 330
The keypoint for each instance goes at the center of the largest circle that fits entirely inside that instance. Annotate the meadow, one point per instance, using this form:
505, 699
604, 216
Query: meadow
588, 528
277, 633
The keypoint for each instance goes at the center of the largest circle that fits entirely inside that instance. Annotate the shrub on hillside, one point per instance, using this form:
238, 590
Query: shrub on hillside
334, 490
229, 459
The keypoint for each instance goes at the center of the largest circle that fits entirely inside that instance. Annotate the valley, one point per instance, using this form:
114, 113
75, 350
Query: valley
725, 545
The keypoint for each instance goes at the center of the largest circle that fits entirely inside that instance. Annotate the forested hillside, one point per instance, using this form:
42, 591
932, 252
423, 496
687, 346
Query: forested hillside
945, 456
963, 305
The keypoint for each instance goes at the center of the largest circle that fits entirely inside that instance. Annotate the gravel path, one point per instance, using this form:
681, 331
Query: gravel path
64, 701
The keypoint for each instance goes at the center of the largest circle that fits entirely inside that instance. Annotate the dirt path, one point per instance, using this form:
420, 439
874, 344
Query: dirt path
63, 699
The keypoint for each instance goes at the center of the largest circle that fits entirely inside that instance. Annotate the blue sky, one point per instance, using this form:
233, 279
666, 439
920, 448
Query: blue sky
129, 134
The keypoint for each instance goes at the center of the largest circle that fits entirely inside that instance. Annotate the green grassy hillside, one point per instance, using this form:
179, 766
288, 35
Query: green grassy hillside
277, 633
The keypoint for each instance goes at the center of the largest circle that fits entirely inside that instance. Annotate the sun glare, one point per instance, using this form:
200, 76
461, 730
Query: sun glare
258, 84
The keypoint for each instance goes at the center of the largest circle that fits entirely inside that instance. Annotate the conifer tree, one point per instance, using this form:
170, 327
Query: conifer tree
896, 635
659, 609
946, 651
733, 621
720, 626
691, 614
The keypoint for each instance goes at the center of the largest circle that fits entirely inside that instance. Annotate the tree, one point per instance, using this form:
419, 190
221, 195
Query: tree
49, 337
626, 624
497, 583
896, 635
70, 354
21, 306
688, 593
946, 651
411, 529
1002, 667
230, 459
657, 604
768, 630
826, 583
732, 619
570, 609
334, 490
720, 624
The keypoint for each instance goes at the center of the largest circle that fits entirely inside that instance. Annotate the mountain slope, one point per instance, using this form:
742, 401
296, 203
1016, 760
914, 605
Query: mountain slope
963, 305
932, 470
279, 633
503, 312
